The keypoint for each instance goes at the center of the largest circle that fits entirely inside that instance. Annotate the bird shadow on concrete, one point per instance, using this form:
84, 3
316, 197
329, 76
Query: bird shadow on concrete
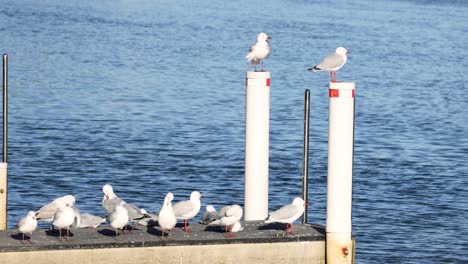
216, 229
181, 225
107, 232
19, 236
153, 231
272, 226
56, 233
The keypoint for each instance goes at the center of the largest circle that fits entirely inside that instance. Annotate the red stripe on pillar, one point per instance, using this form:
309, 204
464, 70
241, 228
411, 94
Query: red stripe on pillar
353, 93
334, 93
268, 82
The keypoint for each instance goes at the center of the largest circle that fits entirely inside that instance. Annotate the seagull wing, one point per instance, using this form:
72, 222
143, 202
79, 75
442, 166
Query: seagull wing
331, 62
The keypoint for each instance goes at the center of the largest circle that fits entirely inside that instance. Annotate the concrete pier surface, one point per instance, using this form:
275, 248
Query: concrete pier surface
257, 243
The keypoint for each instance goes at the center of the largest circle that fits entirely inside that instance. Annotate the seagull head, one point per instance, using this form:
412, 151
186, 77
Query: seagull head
169, 197
195, 195
299, 202
108, 191
32, 214
263, 37
342, 51
210, 208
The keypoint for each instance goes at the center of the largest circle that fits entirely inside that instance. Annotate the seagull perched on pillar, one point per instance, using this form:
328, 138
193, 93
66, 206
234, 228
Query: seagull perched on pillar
332, 63
259, 51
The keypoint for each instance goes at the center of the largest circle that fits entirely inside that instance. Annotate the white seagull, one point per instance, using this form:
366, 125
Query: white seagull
118, 219
46, 213
288, 214
64, 218
237, 227
227, 217
209, 215
188, 209
259, 51
111, 200
332, 63
27, 224
166, 218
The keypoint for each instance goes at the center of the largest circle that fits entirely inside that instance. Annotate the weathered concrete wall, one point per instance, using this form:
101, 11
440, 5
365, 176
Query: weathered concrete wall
289, 252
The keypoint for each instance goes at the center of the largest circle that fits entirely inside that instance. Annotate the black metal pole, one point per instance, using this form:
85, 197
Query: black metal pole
5, 108
305, 157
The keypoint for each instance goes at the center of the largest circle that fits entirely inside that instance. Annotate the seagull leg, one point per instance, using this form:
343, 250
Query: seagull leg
60, 234
30, 238
22, 241
291, 229
170, 233
186, 230
162, 233
230, 231
68, 233
262, 66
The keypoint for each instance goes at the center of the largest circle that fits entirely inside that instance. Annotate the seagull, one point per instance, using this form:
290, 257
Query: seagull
64, 218
227, 217
288, 214
166, 218
237, 227
111, 200
151, 220
332, 63
27, 224
46, 213
188, 209
118, 219
208, 216
86, 220
259, 51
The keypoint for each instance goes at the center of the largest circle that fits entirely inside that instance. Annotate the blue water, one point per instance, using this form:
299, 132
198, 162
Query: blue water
149, 96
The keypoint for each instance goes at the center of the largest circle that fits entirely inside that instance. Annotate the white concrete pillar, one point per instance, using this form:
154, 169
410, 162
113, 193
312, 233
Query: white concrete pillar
3, 196
340, 172
257, 143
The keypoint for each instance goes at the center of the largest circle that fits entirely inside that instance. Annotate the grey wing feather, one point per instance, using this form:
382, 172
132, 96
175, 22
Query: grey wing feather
182, 207
89, 220
21, 222
134, 212
284, 212
47, 211
331, 61
109, 205
208, 217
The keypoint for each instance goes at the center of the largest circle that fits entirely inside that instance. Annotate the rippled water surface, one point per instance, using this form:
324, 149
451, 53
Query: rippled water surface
149, 96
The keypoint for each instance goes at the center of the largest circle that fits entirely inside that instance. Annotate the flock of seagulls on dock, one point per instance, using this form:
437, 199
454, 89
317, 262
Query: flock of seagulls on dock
63, 215
260, 51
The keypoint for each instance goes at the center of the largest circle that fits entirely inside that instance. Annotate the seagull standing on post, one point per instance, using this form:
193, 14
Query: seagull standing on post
332, 63
259, 51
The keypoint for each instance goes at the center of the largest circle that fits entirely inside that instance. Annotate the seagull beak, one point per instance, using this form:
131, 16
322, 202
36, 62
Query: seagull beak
348, 52
202, 196
268, 37
107, 197
306, 203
